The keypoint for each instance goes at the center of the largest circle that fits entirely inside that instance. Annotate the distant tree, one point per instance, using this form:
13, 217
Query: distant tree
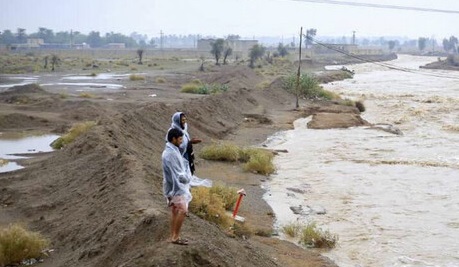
257, 51
7, 37
62, 38
446, 45
94, 39
140, 54
282, 50
269, 57
228, 52
54, 61
391, 44
21, 35
453, 43
422, 42
217, 49
310, 34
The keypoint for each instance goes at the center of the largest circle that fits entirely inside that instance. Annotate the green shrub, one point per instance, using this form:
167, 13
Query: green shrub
18, 244
312, 236
77, 130
135, 77
308, 86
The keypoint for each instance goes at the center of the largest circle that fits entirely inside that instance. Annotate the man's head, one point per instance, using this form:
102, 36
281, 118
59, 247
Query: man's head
175, 136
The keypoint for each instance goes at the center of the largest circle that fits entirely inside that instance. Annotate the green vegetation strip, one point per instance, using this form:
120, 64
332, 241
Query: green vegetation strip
77, 130
255, 159
195, 87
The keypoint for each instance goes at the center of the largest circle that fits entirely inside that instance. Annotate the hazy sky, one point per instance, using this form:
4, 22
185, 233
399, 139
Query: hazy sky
221, 17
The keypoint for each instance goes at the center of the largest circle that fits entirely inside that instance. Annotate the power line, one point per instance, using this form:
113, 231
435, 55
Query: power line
347, 3
387, 65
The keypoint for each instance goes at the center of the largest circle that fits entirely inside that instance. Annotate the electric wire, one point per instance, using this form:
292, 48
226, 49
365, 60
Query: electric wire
348, 3
386, 65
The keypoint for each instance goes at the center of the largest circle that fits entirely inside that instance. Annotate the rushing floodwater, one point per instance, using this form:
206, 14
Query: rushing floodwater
392, 200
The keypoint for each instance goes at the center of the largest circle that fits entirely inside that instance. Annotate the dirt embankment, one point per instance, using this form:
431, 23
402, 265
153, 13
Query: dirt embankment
452, 64
100, 199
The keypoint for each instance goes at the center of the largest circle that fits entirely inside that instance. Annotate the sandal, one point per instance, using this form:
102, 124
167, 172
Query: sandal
180, 241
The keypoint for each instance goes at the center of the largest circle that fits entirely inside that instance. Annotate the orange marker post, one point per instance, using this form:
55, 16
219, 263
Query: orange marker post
241, 193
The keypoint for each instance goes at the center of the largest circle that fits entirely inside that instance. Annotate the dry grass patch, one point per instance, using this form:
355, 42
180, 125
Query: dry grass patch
160, 80
3, 162
136, 77
221, 151
18, 244
259, 161
190, 88
86, 95
210, 206
77, 130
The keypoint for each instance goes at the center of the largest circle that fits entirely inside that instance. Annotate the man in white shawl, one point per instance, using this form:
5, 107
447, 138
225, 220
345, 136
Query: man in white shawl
176, 183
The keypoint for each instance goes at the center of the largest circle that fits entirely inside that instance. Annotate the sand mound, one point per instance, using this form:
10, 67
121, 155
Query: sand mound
235, 77
18, 120
100, 199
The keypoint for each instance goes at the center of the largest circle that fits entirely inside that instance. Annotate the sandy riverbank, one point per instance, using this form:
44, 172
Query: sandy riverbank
99, 200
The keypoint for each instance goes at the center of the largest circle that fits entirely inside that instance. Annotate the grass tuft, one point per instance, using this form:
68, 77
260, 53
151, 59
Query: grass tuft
3, 162
209, 206
160, 80
135, 77
291, 229
77, 130
260, 161
86, 95
221, 152
18, 244
312, 236
190, 88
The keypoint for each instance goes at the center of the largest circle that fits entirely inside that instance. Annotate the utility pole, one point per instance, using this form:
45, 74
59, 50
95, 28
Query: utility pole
353, 37
297, 105
161, 40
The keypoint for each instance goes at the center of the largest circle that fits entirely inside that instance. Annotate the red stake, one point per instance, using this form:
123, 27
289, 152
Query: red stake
238, 203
